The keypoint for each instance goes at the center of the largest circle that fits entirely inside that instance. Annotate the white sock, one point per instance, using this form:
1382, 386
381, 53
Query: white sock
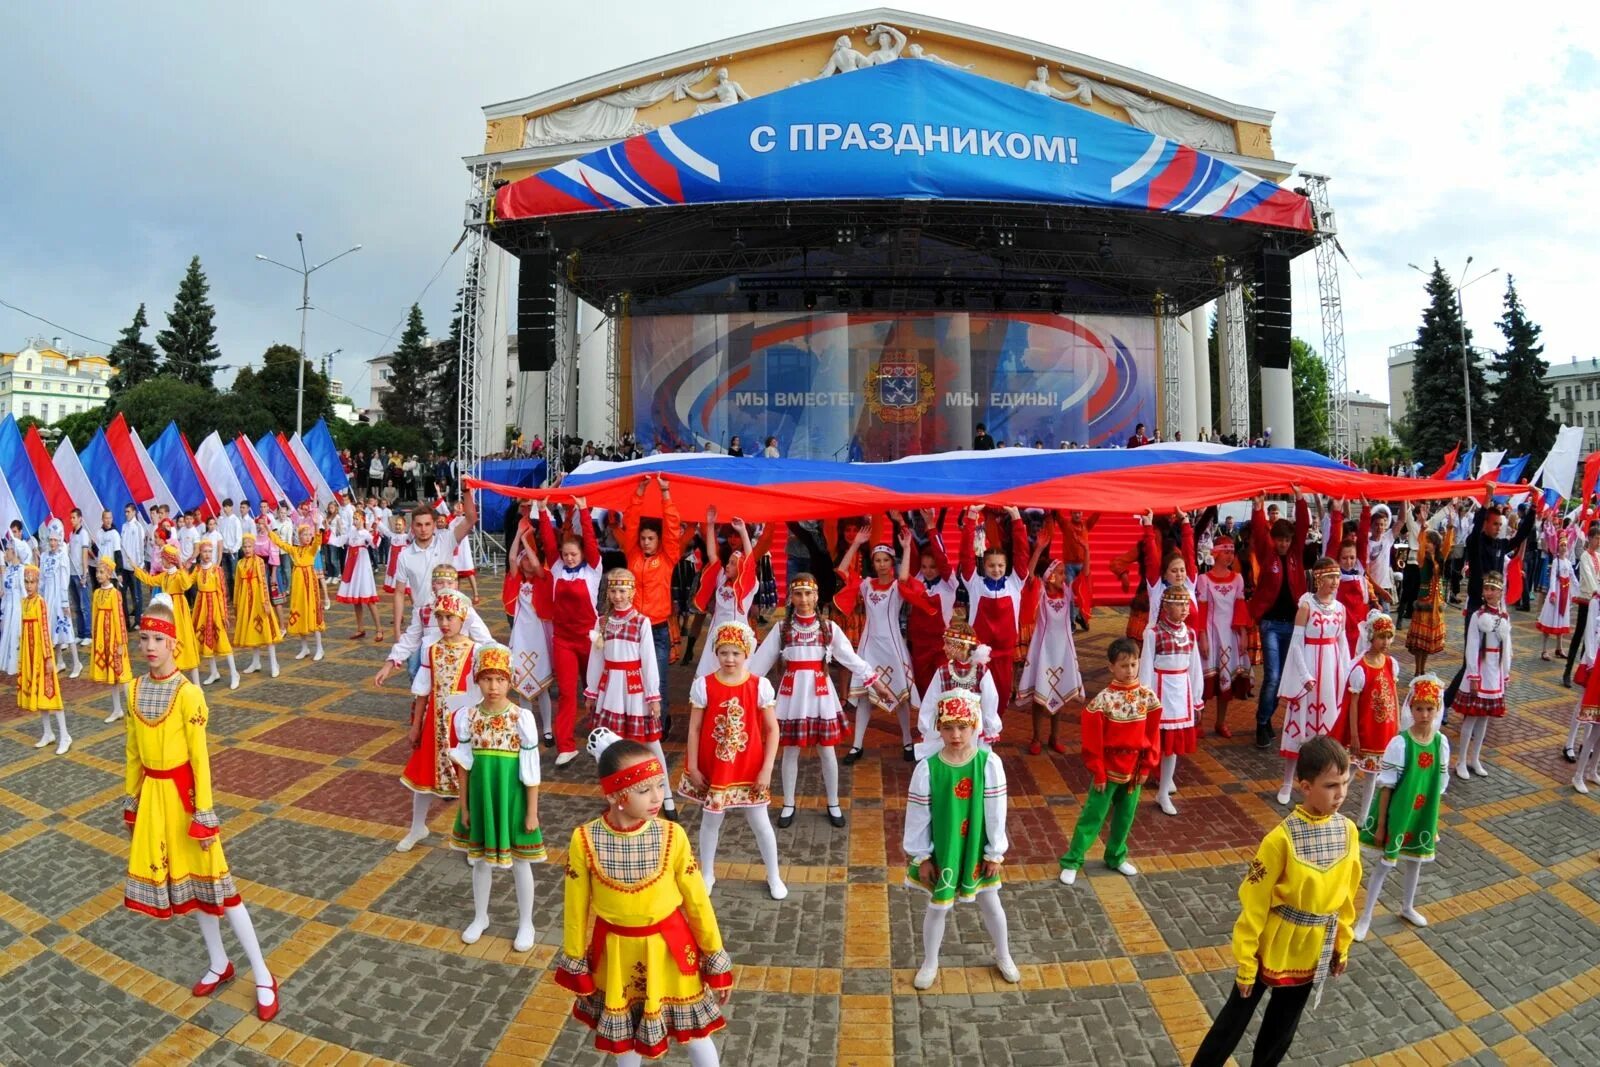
629, 1059
47, 732
211, 934
1169, 769
77, 664
544, 710
789, 772
903, 710
702, 1053
272, 659
482, 880
655, 747
419, 816
1367, 797
233, 670
1587, 755
1477, 740
61, 725
245, 931
1380, 871
1572, 734
116, 703
710, 834
194, 676
1288, 777
522, 879
211, 662
933, 920
830, 775
1408, 885
994, 921
318, 654
863, 718
766, 843
255, 663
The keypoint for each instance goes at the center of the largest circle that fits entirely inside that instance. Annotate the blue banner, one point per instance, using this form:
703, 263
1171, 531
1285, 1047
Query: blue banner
24, 483
172, 460
906, 130
278, 464
325, 454
101, 467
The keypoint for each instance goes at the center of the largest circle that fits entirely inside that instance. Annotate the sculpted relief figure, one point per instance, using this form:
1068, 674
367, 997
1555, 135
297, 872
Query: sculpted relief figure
725, 93
889, 43
916, 52
1041, 85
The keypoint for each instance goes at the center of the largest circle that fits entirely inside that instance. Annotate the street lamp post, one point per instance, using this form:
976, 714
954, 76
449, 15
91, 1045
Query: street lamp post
1466, 354
305, 271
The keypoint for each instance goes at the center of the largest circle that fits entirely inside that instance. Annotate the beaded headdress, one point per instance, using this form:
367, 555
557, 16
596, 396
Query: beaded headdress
492, 657
735, 633
960, 706
451, 602
1175, 594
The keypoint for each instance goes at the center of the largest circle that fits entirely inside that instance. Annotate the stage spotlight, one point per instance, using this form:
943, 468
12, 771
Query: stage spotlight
844, 235
738, 238
1006, 238
1105, 246
810, 298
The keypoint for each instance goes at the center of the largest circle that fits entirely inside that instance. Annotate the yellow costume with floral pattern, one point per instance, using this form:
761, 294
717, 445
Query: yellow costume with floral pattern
1298, 892
38, 686
646, 972
305, 590
175, 583
108, 650
169, 805
211, 611
255, 620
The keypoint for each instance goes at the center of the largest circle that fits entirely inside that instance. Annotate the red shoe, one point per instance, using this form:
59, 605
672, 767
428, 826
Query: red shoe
1057, 746
1034, 748
204, 988
267, 1013
1223, 731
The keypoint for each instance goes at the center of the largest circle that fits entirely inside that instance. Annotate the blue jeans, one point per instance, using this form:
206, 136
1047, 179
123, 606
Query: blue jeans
662, 636
414, 662
1275, 637
80, 605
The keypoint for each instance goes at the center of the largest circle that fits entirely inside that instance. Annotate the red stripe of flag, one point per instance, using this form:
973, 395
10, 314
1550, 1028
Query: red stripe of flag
55, 491
120, 440
247, 455
300, 472
213, 506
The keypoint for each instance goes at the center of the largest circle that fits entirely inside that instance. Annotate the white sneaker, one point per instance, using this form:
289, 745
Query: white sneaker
274, 670
76, 671
85, 643
472, 933
66, 743
777, 889
212, 679
253, 668
1362, 925
1069, 875
303, 653
1165, 804
524, 940
316, 658
233, 680
1413, 916
926, 977
566, 757
1126, 869
114, 716
1008, 969
409, 842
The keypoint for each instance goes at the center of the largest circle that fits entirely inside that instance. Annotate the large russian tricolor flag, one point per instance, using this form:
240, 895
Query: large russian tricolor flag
278, 465
76, 480
105, 474
32, 506
319, 443
212, 459
55, 494
119, 446
170, 454
308, 467
260, 475
300, 471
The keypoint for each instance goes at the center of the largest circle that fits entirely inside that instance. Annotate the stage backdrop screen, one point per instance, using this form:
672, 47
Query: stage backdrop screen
878, 385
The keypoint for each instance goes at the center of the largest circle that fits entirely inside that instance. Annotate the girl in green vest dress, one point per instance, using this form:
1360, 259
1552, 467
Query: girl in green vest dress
955, 834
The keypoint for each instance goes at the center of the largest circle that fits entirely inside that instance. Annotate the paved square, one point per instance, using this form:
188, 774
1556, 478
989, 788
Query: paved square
1115, 971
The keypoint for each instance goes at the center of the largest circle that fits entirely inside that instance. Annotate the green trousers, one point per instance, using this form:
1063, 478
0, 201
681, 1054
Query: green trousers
1119, 802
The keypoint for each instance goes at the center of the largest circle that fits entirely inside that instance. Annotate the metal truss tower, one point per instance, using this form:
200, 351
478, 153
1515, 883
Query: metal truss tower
1340, 440
1171, 367
472, 391
1231, 342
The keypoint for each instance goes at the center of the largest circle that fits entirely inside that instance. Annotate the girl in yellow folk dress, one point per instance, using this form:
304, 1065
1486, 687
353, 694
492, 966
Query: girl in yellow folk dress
211, 613
255, 619
108, 649
175, 582
306, 616
654, 968
175, 860
38, 686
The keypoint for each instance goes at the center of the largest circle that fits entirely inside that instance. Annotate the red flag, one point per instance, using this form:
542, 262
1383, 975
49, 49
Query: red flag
1514, 579
55, 491
1591, 473
1449, 461
120, 440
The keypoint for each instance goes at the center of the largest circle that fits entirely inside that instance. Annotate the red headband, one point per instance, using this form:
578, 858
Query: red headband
158, 626
628, 777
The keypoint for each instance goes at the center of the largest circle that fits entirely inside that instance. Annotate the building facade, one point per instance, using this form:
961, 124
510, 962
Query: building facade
1575, 396
48, 382
1369, 419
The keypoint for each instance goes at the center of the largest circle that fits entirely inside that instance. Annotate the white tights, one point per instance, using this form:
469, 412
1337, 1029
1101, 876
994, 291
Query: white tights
482, 879
994, 921
864, 719
1408, 885
272, 660
1589, 755
1473, 729
245, 932
1367, 796
702, 1053
790, 769
116, 704
1169, 768
305, 649
1577, 726
77, 664
766, 844
544, 709
666, 801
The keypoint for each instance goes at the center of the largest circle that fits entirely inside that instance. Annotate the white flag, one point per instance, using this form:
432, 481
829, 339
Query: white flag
1560, 467
212, 458
70, 470
319, 484
1489, 461
160, 494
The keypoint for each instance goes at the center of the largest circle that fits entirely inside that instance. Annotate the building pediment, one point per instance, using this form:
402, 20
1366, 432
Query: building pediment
537, 131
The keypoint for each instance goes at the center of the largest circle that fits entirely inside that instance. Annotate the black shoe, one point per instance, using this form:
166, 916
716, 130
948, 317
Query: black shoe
908, 753
1569, 755
549, 740
666, 726
785, 818
1263, 737
835, 820
670, 814
852, 756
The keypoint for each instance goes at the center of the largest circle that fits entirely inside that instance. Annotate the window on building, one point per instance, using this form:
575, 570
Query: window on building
27, 408
44, 413
27, 383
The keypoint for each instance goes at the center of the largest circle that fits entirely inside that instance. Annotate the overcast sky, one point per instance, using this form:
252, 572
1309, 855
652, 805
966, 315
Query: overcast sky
138, 135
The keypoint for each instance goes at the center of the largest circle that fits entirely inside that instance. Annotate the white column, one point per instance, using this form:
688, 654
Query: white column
1183, 358
1200, 354
1277, 405
594, 408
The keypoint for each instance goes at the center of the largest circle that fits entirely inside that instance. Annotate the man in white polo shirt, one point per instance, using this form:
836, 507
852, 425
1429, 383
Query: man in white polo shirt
429, 547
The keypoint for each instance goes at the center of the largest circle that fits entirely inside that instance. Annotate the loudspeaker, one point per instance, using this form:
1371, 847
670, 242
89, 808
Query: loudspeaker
1272, 309
536, 312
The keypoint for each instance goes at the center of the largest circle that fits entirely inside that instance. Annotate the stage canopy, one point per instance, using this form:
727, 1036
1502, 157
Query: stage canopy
1161, 477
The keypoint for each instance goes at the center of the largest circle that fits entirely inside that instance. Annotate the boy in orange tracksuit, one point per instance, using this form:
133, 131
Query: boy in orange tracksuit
652, 555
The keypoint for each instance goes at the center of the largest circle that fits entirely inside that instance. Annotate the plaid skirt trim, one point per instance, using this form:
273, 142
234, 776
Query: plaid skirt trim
164, 899
810, 732
632, 1029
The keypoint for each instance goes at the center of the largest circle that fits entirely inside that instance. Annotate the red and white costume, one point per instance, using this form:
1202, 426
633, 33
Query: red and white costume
462, 558
724, 598
972, 676
530, 638
624, 681
1225, 650
1051, 677
996, 606
932, 604
1170, 667
1314, 675
356, 585
397, 541
1483, 687
571, 592
808, 707
1156, 584
1555, 617
1371, 699
882, 644
1353, 592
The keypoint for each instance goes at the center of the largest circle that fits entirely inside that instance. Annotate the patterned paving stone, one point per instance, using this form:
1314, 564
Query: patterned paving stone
16, 743
396, 754
1194, 908
227, 1054
1048, 922
1112, 1024
1571, 1037
1552, 833
57, 1014
362, 794
389, 703
1507, 780
59, 783
257, 774
231, 720
290, 696
327, 736
1508, 952
174, 949
1460, 866
806, 930
407, 1003
438, 891
1203, 823
308, 860
53, 873
9, 935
